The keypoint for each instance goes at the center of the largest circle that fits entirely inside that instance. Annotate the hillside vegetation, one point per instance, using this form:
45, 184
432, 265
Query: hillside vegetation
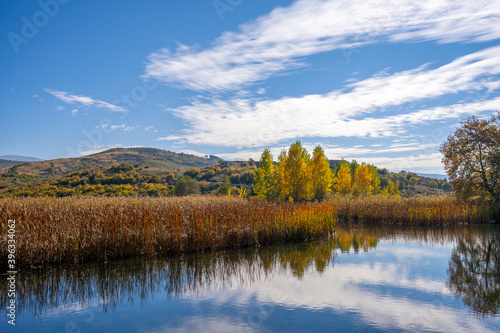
155, 172
157, 158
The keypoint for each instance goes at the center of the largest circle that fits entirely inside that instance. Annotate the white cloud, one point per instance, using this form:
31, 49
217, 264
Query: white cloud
123, 127
83, 100
242, 123
276, 42
74, 112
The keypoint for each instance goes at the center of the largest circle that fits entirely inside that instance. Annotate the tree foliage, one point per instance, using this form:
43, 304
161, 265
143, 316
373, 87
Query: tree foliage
343, 180
265, 178
363, 180
294, 174
472, 158
320, 174
186, 186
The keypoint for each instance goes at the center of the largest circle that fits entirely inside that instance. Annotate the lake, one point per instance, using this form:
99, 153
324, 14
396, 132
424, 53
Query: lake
364, 279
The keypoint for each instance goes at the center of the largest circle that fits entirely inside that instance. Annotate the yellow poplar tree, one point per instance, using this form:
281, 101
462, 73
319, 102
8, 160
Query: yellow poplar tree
265, 178
363, 180
293, 174
343, 180
320, 174
282, 181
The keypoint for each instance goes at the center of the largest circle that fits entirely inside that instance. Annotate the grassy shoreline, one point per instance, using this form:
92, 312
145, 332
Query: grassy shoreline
77, 230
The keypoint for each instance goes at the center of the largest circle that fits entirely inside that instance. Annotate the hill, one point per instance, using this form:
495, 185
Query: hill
152, 157
7, 163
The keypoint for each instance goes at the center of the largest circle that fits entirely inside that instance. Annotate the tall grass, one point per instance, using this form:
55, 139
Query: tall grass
75, 230
51, 230
428, 210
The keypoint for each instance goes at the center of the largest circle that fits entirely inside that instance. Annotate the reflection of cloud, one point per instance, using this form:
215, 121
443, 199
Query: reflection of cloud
203, 324
355, 288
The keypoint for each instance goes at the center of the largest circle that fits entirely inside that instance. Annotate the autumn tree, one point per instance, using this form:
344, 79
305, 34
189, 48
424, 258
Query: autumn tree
471, 158
292, 172
282, 182
265, 178
363, 177
320, 174
343, 180
375, 182
390, 189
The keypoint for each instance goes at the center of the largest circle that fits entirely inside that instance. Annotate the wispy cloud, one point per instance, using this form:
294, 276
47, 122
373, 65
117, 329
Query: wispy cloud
83, 100
278, 41
123, 127
344, 113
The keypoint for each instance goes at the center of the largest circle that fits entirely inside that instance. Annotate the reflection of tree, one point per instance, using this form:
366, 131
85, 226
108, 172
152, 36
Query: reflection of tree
474, 272
137, 280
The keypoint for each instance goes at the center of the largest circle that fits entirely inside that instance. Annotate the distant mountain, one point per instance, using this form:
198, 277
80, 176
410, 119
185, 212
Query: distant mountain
154, 158
432, 175
18, 158
6, 163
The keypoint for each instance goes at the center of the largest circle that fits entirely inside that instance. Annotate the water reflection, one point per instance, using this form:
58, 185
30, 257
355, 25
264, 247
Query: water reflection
388, 289
128, 281
474, 271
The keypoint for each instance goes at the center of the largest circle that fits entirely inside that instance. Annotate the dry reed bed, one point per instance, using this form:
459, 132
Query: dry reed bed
51, 230
75, 230
430, 210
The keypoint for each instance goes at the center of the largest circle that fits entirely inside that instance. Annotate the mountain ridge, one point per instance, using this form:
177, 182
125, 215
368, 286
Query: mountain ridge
153, 157
20, 158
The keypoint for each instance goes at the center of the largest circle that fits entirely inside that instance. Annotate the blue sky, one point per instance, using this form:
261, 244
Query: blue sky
382, 81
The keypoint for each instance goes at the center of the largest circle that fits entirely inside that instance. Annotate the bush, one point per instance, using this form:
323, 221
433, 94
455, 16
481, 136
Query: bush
186, 186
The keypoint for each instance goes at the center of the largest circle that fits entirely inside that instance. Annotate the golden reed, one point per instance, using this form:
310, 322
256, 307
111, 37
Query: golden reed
79, 229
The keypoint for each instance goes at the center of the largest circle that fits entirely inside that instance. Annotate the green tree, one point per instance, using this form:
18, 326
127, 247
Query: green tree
265, 178
282, 181
320, 174
375, 182
471, 157
390, 189
186, 186
225, 187
413, 181
354, 166
433, 183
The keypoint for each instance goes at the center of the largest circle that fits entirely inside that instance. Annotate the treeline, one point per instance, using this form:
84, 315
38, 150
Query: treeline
298, 176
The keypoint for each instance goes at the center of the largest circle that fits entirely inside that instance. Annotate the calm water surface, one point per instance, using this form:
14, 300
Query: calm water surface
363, 279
